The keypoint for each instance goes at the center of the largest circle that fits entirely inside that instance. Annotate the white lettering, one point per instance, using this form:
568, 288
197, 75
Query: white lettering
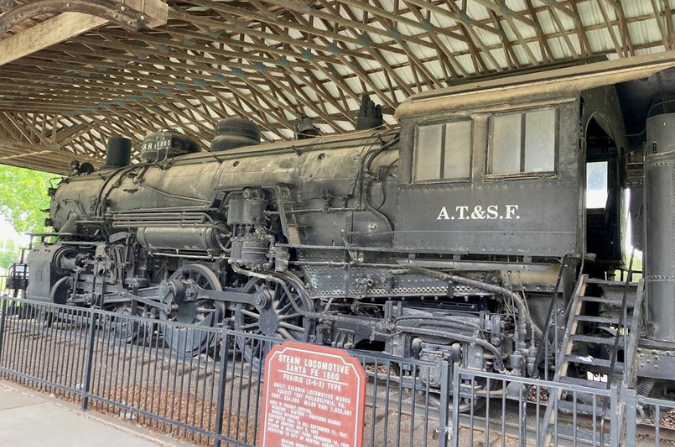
492, 212
478, 213
462, 210
511, 211
443, 215
489, 212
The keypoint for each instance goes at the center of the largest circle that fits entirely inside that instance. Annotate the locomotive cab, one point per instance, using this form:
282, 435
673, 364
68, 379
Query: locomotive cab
489, 180
528, 177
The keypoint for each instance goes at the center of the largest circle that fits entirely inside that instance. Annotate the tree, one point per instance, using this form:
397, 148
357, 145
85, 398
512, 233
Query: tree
23, 197
9, 253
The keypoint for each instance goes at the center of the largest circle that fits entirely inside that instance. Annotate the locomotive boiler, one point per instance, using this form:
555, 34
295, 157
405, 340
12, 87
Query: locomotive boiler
449, 237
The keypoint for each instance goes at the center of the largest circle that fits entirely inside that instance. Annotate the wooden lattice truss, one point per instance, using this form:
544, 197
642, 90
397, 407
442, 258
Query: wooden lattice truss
273, 61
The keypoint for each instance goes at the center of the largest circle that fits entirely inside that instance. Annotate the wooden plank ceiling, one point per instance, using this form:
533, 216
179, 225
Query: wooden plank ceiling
273, 61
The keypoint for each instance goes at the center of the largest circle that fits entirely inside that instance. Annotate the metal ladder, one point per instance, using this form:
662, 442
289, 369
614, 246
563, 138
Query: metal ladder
572, 339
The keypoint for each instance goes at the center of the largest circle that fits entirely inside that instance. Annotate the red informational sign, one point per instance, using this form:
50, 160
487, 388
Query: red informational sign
313, 396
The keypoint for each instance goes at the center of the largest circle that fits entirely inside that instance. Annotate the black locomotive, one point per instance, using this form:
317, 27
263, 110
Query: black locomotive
450, 237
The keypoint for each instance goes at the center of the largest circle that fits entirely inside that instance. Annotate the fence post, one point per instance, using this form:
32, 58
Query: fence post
3, 314
631, 417
89, 362
222, 383
456, 389
614, 418
443, 417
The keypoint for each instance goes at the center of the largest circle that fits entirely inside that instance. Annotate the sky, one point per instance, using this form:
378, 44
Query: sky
7, 232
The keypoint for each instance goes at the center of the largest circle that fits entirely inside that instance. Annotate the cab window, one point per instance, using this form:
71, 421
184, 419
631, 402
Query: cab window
596, 185
523, 142
443, 151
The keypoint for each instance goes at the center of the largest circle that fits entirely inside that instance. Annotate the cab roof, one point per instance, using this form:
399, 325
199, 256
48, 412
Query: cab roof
568, 81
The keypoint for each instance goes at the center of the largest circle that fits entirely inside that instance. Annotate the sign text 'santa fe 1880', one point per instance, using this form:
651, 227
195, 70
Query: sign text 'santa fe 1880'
312, 396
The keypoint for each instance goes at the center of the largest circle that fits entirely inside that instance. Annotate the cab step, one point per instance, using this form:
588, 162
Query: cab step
608, 341
594, 319
584, 382
588, 360
599, 299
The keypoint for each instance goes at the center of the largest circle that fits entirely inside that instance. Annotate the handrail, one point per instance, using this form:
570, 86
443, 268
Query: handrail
620, 333
543, 346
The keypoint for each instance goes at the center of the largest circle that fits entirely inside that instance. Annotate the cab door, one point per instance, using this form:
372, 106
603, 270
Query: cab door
603, 192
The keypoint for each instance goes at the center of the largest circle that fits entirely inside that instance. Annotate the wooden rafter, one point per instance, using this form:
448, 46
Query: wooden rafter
274, 60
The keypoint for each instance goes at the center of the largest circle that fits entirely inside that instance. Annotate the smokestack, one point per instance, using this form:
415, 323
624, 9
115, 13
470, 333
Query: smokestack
118, 152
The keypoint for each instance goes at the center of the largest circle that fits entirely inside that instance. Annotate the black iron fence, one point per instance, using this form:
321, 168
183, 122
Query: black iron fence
649, 421
120, 364
508, 410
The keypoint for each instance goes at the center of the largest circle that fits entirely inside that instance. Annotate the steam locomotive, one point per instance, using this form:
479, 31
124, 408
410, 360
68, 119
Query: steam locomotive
451, 237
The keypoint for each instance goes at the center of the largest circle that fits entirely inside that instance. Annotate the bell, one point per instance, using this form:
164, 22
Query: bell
305, 128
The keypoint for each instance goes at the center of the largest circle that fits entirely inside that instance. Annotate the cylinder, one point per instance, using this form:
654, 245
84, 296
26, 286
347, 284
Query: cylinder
246, 211
659, 203
118, 152
254, 249
176, 238
235, 212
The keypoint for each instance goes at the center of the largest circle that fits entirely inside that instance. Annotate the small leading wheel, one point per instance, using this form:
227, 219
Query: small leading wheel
45, 318
188, 341
122, 328
274, 315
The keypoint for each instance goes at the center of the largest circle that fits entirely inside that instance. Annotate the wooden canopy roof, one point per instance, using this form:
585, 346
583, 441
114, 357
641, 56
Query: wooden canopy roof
73, 73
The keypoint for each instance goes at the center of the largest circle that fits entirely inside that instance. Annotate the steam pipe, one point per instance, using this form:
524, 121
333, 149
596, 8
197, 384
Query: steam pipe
524, 314
547, 325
